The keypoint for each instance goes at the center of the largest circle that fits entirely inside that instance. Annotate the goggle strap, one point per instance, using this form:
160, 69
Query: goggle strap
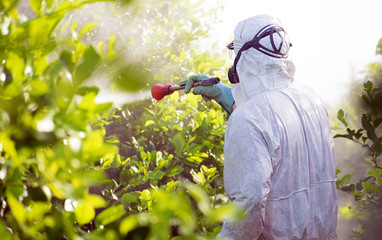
267, 30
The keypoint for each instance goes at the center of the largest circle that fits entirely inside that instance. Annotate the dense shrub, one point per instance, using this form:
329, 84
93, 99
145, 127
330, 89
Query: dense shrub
72, 168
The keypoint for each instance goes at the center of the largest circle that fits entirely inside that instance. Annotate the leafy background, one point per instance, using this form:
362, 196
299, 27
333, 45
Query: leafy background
74, 166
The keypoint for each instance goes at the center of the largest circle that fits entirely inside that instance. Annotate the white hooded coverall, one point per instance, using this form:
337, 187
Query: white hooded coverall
279, 160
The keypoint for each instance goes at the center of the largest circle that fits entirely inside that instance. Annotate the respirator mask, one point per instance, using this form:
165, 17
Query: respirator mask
277, 46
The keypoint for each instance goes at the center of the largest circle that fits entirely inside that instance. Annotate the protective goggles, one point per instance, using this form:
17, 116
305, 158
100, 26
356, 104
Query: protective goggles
278, 48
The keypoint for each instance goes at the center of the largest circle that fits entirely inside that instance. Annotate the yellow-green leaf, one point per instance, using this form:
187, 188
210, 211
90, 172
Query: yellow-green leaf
84, 212
17, 209
87, 28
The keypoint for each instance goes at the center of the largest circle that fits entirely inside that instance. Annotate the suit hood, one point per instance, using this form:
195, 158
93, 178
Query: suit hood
257, 71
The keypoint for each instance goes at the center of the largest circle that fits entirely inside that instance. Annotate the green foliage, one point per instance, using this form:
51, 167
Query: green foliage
367, 191
48, 126
72, 168
370, 121
164, 148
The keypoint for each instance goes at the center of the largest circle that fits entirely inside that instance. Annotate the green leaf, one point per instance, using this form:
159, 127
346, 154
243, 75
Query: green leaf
194, 148
82, 91
40, 29
37, 210
209, 172
15, 64
358, 134
171, 186
195, 159
227, 212
131, 197
71, 5
87, 28
375, 173
36, 6
368, 86
158, 175
125, 176
200, 196
110, 215
366, 186
15, 190
17, 209
341, 117
380, 182
66, 59
103, 108
174, 171
128, 224
88, 102
344, 180
132, 78
151, 156
369, 128
84, 212
4, 232
376, 122
179, 143
95, 200
340, 114
143, 155
149, 122
347, 178
348, 188
208, 144
198, 177
374, 189
145, 195
100, 48
110, 48
91, 60
49, 3
38, 87
358, 193
14, 183
49, 46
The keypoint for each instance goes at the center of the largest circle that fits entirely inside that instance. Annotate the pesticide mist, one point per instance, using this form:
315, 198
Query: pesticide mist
143, 40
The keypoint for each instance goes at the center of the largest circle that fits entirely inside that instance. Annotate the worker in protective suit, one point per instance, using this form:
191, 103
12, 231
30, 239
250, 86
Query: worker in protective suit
279, 161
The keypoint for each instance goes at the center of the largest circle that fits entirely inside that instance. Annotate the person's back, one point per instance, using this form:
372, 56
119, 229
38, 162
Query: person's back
295, 145
279, 162
303, 178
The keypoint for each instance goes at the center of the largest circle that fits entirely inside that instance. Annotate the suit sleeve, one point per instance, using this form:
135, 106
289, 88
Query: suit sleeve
247, 177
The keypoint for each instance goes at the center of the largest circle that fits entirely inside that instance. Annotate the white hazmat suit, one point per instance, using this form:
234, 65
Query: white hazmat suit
279, 159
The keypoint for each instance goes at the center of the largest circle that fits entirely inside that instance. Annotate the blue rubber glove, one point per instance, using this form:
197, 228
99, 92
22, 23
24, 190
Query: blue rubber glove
220, 92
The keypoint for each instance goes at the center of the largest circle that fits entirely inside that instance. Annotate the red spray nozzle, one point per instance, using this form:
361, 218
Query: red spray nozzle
159, 91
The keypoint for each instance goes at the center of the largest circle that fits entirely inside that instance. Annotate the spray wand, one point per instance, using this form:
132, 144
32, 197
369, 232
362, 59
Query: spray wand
159, 91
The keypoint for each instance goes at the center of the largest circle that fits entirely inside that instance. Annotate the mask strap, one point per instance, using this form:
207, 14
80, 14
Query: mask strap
235, 77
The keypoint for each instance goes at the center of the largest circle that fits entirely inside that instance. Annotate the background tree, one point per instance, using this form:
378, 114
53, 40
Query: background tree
363, 128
